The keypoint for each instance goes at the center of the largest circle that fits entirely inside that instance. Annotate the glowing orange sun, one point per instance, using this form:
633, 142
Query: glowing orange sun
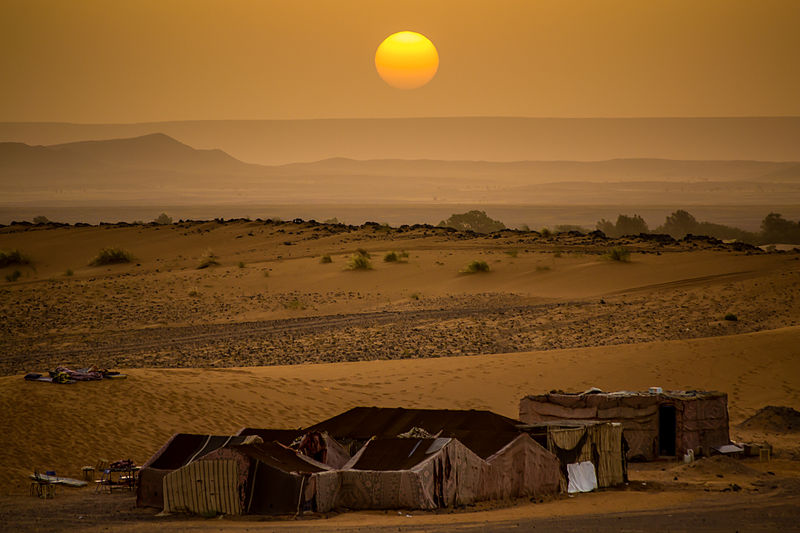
406, 60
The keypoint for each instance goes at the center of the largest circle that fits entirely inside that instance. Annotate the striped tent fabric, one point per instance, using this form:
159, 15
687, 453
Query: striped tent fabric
204, 488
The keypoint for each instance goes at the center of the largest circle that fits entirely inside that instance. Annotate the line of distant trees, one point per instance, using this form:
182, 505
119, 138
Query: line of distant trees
774, 228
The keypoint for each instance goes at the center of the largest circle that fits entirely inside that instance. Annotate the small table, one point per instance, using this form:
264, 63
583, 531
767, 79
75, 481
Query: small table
117, 478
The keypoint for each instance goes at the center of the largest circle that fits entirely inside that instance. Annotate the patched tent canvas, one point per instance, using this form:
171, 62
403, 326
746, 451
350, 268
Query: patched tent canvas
258, 478
654, 423
600, 443
411, 473
180, 450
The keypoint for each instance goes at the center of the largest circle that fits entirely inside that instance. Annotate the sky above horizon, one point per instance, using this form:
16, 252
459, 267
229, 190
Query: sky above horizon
95, 61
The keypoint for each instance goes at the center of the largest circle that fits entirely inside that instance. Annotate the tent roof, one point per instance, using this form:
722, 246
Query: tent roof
676, 394
284, 436
278, 457
397, 453
182, 448
484, 444
363, 423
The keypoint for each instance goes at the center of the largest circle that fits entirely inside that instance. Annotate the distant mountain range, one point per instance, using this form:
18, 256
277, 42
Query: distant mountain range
156, 166
272, 142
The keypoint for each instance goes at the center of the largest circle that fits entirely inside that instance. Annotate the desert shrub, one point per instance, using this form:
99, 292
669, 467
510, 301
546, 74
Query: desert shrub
240, 264
111, 256
266, 273
13, 257
41, 219
395, 257
333, 220
414, 296
209, 259
14, 276
326, 259
542, 268
557, 255
475, 267
163, 219
69, 272
194, 293
731, 317
359, 262
477, 221
618, 253
513, 252
363, 252
545, 232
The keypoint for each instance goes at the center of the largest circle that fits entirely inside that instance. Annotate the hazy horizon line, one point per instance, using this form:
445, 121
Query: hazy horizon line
432, 117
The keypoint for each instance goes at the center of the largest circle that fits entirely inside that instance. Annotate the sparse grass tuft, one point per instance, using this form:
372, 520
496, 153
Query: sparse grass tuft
69, 272
557, 255
542, 268
111, 256
13, 257
326, 259
394, 257
14, 276
266, 273
618, 253
240, 264
359, 262
414, 296
731, 317
476, 267
194, 293
363, 252
513, 252
294, 304
209, 259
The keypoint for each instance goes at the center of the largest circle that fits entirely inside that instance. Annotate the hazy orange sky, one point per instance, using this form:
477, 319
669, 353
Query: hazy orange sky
136, 61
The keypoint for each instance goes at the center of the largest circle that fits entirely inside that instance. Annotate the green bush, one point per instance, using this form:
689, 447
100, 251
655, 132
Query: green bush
111, 256
13, 257
359, 262
618, 253
14, 276
731, 317
326, 259
475, 267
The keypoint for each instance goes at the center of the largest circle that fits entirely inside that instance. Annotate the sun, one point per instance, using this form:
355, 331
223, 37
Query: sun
406, 60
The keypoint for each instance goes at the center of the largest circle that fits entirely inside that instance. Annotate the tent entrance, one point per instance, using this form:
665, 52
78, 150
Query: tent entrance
666, 430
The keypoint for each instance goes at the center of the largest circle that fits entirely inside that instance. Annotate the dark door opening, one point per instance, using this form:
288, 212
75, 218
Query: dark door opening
666, 430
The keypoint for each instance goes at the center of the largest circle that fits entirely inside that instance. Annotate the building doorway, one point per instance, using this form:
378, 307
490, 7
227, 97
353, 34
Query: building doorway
666, 430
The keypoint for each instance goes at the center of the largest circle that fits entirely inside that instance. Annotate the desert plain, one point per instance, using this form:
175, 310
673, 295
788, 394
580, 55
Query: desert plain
268, 334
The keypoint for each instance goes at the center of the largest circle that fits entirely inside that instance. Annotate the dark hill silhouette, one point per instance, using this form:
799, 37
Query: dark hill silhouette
117, 162
271, 142
157, 167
